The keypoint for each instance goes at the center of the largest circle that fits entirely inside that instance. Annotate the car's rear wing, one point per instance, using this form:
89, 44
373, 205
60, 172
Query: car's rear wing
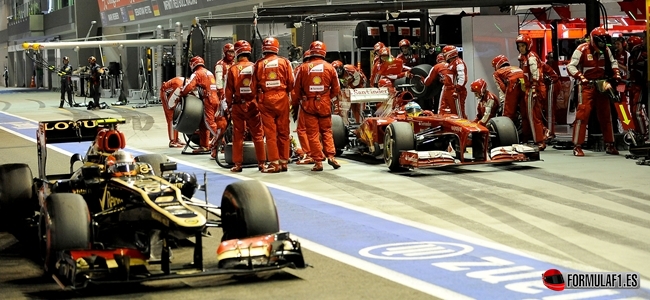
68, 131
366, 95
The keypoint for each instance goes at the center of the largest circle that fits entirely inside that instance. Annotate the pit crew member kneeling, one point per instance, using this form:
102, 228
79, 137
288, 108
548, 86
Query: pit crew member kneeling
316, 86
488, 103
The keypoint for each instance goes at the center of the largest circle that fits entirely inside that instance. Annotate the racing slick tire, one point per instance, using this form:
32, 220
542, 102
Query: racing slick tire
154, 160
64, 225
399, 137
16, 192
504, 131
188, 115
250, 158
340, 134
418, 89
247, 210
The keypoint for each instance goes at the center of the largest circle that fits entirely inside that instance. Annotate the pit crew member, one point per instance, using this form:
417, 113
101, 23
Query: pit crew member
375, 63
95, 72
531, 64
352, 78
409, 58
66, 82
316, 85
638, 80
222, 66
589, 62
459, 77
512, 84
203, 83
274, 79
441, 72
391, 67
488, 103
169, 92
241, 101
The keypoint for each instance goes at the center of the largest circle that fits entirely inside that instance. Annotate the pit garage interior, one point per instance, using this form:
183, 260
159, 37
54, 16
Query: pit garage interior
465, 232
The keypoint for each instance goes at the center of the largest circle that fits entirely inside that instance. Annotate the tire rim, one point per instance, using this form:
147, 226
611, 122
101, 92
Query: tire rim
388, 147
418, 86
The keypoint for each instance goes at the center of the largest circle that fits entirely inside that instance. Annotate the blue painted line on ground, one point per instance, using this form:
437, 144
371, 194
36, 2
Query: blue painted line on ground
349, 231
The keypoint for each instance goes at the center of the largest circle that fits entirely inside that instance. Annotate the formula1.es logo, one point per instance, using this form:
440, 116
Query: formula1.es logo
553, 280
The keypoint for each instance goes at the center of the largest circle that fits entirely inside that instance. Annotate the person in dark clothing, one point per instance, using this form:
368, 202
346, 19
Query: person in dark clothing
6, 76
95, 72
66, 82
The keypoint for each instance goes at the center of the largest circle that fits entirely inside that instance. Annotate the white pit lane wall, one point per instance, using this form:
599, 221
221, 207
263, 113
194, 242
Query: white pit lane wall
485, 37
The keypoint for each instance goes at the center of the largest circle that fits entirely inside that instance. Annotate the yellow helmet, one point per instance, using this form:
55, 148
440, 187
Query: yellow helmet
413, 109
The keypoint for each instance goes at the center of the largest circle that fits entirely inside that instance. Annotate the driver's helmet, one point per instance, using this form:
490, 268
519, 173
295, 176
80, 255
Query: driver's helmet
413, 109
121, 163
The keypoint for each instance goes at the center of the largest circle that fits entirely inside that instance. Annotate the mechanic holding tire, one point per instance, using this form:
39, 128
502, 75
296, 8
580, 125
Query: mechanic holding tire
274, 79
169, 92
205, 84
242, 104
316, 85
441, 72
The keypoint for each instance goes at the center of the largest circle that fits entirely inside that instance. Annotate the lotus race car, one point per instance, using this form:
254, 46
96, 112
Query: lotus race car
114, 217
427, 140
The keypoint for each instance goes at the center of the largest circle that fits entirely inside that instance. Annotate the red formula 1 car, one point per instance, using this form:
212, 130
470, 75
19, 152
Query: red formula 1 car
427, 140
113, 218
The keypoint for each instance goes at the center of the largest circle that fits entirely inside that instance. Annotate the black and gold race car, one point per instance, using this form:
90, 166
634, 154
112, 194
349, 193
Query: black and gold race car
106, 221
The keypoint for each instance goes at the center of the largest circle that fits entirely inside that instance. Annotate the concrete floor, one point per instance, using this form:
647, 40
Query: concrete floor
588, 213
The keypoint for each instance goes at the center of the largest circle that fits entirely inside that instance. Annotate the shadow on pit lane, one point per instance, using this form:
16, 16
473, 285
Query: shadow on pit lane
459, 170
134, 290
366, 159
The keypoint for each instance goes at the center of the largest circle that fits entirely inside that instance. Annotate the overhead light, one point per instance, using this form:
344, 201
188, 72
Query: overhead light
394, 14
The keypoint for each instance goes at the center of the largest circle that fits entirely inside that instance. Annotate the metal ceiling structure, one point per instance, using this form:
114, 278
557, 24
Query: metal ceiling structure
289, 10
377, 16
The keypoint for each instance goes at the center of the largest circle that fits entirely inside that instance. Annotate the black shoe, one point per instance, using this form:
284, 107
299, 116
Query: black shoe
61, 104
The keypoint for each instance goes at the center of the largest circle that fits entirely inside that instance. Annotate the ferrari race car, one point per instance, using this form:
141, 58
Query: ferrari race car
407, 141
114, 217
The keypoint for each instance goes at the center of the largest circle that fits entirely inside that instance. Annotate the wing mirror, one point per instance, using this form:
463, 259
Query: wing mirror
73, 159
168, 166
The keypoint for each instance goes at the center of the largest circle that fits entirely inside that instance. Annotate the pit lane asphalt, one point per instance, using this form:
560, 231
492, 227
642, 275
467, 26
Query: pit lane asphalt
591, 211
22, 278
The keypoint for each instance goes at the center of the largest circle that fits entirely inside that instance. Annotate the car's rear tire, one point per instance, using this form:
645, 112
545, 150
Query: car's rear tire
339, 134
247, 210
17, 199
504, 131
154, 160
188, 115
67, 226
399, 137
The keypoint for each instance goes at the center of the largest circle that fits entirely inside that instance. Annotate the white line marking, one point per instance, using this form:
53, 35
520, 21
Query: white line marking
386, 273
